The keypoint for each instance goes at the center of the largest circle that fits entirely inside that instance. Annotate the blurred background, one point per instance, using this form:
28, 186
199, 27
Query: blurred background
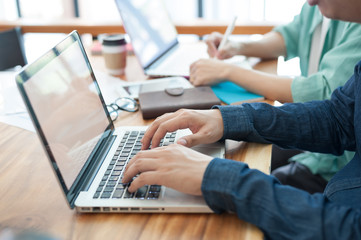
281, 11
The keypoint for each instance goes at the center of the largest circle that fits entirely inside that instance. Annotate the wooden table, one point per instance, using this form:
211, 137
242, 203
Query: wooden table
31, 198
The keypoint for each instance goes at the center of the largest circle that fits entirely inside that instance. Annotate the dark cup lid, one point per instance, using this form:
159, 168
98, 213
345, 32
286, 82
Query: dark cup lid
114, 40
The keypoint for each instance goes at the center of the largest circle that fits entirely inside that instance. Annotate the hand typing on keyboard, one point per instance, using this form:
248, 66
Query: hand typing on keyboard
174, 166
111, 185
206, 126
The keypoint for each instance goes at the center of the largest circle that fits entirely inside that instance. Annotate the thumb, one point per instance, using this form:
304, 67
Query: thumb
190, 140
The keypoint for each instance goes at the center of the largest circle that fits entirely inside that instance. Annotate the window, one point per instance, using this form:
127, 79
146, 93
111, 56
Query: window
183, 10
8, 10
48, 9
281, 11
186, 10
104, 10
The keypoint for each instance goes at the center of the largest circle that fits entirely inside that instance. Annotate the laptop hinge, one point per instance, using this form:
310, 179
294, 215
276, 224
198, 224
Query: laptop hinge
91, 171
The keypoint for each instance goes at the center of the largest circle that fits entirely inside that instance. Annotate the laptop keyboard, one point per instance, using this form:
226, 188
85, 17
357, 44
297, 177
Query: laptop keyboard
111, 185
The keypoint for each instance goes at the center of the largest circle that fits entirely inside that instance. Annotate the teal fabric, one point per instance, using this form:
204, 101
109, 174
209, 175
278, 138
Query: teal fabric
229, 92
327, 165
342, 49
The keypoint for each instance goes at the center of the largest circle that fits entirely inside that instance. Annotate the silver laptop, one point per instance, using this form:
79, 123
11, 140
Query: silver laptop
88, 155
154, 39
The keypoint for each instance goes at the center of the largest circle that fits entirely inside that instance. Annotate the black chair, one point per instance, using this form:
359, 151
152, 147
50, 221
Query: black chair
12, 51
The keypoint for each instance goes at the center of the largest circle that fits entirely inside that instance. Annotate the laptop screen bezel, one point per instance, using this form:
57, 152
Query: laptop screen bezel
30, 70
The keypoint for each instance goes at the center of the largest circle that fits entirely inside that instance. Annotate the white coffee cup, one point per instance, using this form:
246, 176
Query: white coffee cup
114, 52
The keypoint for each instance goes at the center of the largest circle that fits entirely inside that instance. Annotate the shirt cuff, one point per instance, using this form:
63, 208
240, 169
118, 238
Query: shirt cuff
236, 122
216, 185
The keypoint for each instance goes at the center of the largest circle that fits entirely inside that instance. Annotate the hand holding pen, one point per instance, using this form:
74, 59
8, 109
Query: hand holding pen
216, 42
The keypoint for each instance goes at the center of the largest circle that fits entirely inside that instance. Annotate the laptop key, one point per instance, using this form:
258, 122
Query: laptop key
127, 150
124, 155
153, 195
120, 186
113, 178
118, 193
106, 195
129, 145
111, 184
127, 194
120, 146
155, 188
137, 148
115, 173
105, 177
141, 192
120, 164
108, 189
118, 168
96, 195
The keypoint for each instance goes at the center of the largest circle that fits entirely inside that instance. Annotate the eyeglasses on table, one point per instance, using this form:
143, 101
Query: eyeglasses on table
122, 104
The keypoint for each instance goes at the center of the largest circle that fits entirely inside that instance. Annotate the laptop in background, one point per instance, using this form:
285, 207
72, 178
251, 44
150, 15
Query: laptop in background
154, 39
88, 155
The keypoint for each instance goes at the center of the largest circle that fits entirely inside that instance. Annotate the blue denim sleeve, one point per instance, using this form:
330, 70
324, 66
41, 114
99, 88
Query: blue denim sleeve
317, 126
281, 212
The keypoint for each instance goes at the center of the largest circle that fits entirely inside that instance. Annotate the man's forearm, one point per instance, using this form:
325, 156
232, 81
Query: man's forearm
281, 212
270, 86
272, 45
304, 126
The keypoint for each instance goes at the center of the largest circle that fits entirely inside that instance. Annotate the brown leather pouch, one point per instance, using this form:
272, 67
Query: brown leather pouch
154, 104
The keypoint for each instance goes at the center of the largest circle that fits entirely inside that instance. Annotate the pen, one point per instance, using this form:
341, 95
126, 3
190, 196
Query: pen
227, 33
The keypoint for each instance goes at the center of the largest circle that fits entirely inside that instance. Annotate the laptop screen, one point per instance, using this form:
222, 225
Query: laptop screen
66, 106
149, 27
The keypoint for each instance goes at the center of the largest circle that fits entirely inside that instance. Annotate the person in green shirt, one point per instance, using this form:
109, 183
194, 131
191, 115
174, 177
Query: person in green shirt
324, 47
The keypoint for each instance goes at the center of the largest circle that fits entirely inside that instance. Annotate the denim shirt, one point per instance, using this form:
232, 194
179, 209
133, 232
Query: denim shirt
283, 212
342, 47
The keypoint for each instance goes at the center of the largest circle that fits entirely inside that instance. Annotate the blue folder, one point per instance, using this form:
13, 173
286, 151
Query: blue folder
229, 93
